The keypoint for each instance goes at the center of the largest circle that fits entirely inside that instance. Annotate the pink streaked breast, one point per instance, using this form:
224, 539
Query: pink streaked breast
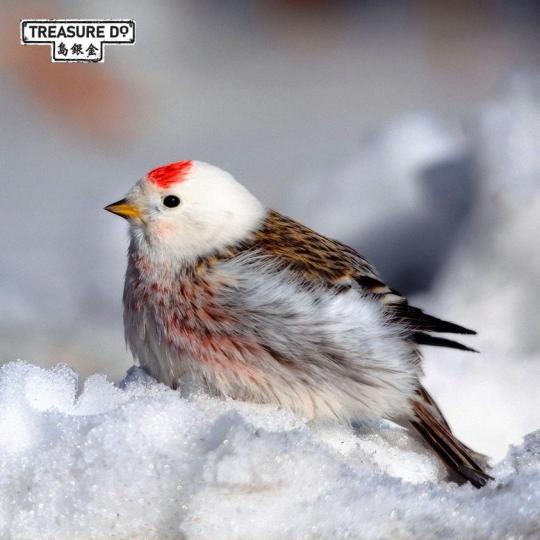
166, 175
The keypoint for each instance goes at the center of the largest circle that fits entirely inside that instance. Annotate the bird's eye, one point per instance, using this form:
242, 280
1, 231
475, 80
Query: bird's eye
170, 201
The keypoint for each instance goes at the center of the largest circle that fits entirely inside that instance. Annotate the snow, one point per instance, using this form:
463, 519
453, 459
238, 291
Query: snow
140, 460
382, 177
491, 283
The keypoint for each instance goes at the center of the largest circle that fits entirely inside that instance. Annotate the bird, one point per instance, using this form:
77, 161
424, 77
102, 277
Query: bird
257, 307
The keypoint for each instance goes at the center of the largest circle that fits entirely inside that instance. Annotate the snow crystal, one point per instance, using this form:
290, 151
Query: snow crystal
140, 460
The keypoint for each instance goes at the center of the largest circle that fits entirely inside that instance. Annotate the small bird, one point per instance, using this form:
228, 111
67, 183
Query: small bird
258, 307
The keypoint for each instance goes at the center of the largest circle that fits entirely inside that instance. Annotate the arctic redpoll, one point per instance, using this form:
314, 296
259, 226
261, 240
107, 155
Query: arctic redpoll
258, 307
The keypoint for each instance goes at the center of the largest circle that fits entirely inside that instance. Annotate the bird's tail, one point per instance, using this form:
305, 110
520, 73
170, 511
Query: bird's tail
464, 464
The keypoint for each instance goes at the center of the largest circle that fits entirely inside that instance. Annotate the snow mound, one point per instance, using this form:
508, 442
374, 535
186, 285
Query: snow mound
140, 460
492, 282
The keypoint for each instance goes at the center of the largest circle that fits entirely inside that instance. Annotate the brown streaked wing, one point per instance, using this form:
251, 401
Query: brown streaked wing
321, 260
315, 257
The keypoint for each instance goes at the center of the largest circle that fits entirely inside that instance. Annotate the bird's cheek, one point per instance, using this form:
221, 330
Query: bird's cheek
160, 230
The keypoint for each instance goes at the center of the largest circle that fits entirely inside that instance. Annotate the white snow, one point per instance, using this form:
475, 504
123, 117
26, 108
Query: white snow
142, 461
492, 284
382, 178
139, 460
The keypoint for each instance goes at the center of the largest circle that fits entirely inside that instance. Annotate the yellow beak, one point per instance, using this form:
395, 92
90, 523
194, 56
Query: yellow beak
125, 209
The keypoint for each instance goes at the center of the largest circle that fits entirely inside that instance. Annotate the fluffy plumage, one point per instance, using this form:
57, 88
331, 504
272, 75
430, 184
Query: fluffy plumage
258, 307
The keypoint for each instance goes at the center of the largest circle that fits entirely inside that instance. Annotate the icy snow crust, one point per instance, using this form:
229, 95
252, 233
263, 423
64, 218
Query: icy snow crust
142, 461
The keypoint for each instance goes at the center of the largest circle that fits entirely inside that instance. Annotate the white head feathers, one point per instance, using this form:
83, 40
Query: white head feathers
189, 209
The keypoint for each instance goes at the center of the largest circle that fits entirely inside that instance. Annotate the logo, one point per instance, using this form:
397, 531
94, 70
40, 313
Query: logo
77, 40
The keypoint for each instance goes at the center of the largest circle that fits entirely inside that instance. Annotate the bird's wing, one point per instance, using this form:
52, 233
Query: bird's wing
318, 260
328, 328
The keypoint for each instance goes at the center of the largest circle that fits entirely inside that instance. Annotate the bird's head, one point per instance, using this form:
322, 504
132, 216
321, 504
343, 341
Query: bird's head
188, 209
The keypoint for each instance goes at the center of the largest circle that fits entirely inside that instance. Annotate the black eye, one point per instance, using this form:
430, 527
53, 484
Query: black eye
170, 201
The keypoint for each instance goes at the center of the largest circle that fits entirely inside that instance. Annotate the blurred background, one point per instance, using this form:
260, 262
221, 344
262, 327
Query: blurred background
410, 130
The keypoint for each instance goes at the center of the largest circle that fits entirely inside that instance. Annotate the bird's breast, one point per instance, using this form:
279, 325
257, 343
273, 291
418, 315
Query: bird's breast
179, 325
260, 336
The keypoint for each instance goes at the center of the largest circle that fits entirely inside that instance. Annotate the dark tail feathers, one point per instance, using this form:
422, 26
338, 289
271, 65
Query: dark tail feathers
465, 464
425, 339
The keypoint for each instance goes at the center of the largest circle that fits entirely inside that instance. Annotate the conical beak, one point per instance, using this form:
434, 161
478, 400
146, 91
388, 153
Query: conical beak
125, 209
